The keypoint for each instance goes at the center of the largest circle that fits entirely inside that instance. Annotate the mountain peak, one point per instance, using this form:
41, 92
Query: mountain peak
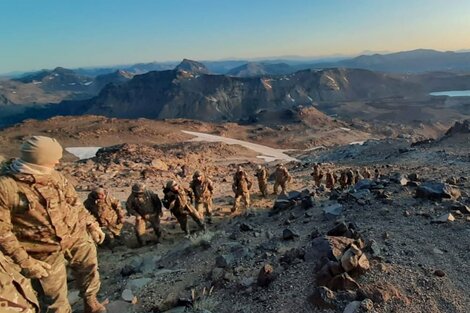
192, 66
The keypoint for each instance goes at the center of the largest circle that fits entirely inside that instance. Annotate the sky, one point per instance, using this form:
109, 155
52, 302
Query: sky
82, 33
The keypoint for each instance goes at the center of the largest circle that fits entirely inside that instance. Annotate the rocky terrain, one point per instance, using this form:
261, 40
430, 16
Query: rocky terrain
392, 244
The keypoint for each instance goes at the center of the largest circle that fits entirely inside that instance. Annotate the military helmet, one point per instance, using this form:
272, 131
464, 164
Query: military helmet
138, 188
239, 168
96, 191
197, 174
170, 184
259, 166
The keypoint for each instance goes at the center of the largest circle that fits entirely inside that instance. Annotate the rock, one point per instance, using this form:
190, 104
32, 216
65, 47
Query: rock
246, 227
439, 273
281, 205
327, 272
288, 234
292, 255
294, 195
327, 248
437, 191
307, 202
452, 180
352, 307
448, 217
246, 282
414, 177
334, 210
159, 165
363, 264
323, 298
364, 184
217, 274
350, 258
135, 266
137, 284
127, 295
367, 305
266, 276
380, 292
119, 306
437, 251
73, 296
399, 178
340, 229
343, 282
375, 249
224, 261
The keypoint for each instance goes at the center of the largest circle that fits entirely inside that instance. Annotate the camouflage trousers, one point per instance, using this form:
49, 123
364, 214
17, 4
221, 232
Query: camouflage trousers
263, 187
182, 218
283, 186
241, 197
82, 260
205, 207
141, 226
16, 293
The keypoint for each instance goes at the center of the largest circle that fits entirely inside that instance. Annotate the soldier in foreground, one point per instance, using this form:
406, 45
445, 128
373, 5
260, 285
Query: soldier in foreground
241, 187
262, 176
176, 200
108, 212
203, 189
16, 293
282, 178
43, 224
146, 206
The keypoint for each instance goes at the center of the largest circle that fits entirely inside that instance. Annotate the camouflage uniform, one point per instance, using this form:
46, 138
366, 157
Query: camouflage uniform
203, 189
241, 187
357, 177
376, 174
343, 180
317, 175
42, 219
282, 177
350, 178
366, 173
176, 200
262, 175
107, 211
330, 180
147, 208
16, 293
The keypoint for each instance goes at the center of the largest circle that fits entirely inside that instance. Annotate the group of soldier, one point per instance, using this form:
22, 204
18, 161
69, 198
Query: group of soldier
345, 179
45, 228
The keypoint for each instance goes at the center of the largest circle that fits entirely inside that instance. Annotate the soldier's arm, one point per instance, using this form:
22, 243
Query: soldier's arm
210, 186
157, 203
116, 204
130, 207
9, 244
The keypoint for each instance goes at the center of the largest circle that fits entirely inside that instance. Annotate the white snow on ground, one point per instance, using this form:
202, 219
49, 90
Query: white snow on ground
357, 142
268, 154
83, 152
346, 129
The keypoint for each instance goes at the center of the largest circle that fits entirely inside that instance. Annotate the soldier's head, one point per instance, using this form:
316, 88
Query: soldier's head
280, 165
239, 168
41, 150
98, 193
259, 167
198, 176
172, 185
138, 188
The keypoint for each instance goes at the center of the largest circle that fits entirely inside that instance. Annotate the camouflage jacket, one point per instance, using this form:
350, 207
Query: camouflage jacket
177, 201
39, 214
241, 183
108, 211
16, 293
202, 190
281, 175
262, 174
145, 204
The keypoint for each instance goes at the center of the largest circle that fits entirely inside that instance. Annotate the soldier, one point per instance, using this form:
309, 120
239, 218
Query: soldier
330, 180
43, 224
376, 174
366, 173
350, 177
16, 293
343, 180
262, 175
317, 174
146, 206
357, 176
176, 200
108, 212
282, 177
203, 189
241, 187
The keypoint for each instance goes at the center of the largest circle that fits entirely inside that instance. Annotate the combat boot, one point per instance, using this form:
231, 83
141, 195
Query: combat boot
92, 305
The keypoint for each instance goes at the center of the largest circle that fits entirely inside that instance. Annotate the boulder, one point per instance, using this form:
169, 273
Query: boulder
288, 234
224, 261
327, 248
448, 217
364, 184
437, 191
127, 295
159, 165
352, 307
266, 276
323, 298
399, 178
137, 284
343, 282
333, 211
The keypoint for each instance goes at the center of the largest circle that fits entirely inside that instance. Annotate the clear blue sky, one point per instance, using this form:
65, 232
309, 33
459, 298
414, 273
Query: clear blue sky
38, 34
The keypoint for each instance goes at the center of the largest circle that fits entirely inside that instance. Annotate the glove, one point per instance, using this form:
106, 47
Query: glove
33, 268
96, 234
